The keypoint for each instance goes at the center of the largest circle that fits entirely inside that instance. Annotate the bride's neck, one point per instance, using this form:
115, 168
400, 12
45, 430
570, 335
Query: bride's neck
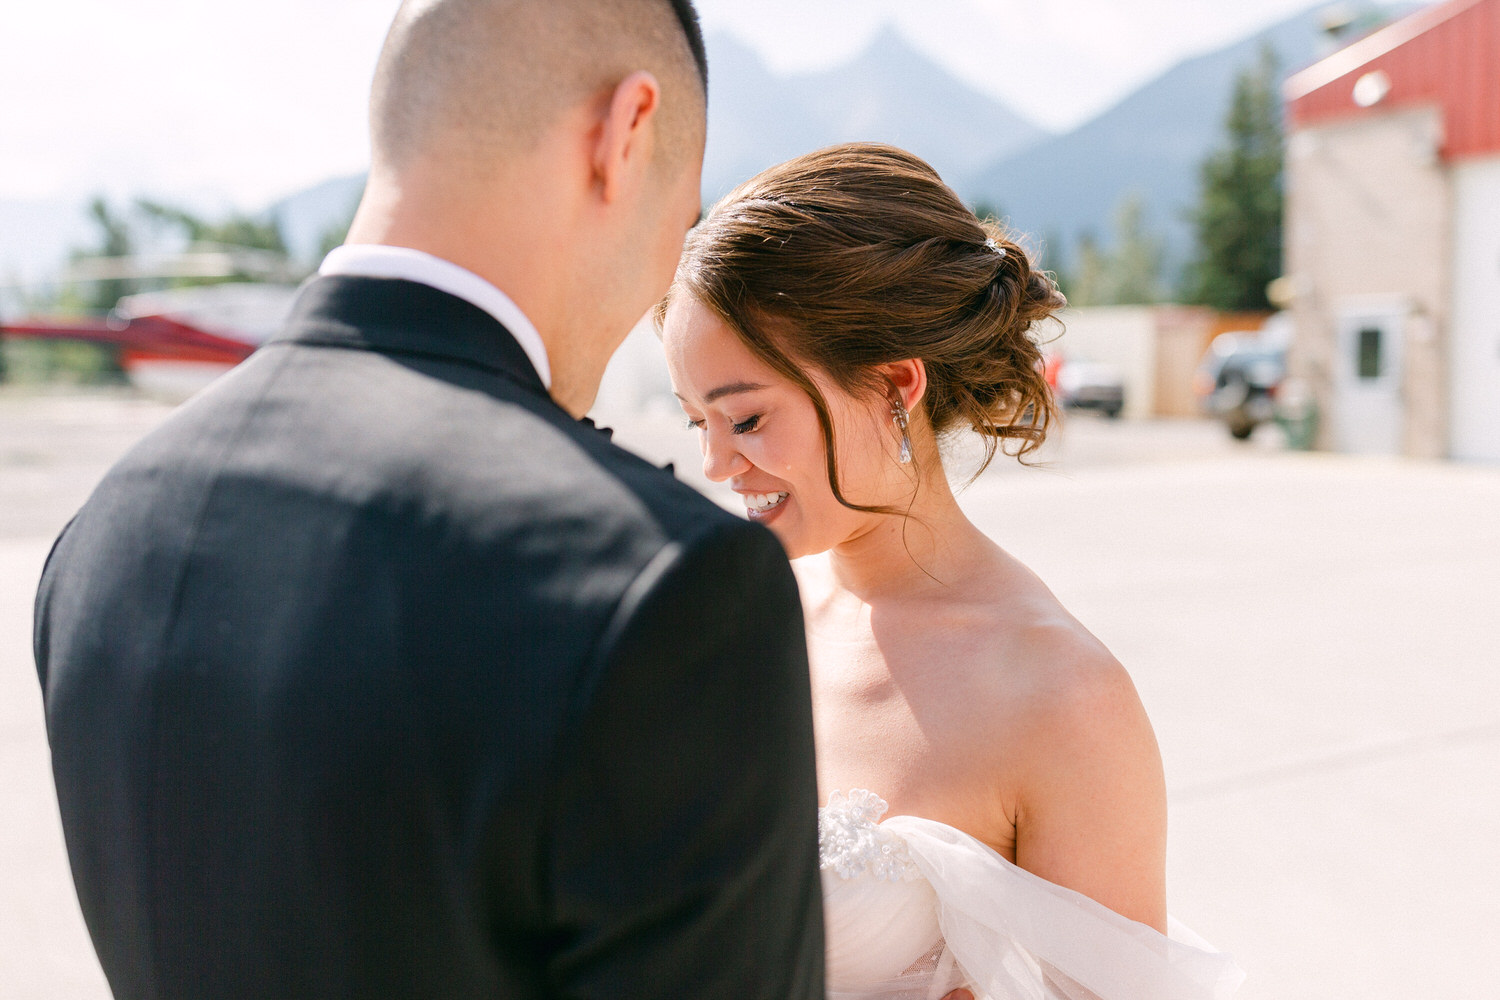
928, 547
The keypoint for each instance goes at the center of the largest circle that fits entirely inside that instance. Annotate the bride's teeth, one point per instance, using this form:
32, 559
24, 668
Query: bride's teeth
764, 501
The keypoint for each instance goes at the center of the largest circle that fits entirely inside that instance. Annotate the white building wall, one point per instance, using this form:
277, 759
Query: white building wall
1369, 215
1474, 342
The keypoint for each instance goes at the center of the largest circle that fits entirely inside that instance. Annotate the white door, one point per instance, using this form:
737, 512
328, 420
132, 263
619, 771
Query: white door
1474, 344
1369, 415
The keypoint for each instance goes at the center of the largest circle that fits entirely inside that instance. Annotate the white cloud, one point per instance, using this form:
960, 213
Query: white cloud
250, 100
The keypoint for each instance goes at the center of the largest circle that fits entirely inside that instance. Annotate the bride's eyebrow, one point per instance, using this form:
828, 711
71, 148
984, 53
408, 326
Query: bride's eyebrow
733, 388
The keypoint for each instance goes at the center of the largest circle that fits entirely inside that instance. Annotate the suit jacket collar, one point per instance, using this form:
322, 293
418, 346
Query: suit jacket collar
377, 260
395, 316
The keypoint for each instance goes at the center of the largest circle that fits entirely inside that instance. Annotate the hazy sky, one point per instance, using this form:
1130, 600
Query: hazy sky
217, 101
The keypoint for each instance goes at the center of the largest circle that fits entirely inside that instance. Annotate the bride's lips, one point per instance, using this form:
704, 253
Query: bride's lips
764, 507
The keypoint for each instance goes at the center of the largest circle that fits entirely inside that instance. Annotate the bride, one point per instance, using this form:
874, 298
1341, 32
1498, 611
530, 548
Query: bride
832, 323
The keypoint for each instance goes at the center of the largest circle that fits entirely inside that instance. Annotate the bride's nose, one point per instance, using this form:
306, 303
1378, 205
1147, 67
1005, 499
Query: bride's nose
721, 457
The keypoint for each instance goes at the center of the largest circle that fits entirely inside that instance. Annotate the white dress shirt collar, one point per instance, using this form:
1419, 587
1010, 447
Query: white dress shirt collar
368, 260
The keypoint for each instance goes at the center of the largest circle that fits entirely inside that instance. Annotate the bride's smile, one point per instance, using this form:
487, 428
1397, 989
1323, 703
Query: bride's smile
761, 436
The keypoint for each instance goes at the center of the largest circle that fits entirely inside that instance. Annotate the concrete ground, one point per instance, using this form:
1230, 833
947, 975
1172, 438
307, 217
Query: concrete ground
1317, 639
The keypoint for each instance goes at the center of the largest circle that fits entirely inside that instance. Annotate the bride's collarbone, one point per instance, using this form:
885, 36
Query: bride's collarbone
958, 655
922, 744
939, 737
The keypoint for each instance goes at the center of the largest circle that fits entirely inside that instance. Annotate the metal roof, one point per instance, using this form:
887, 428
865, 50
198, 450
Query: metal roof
1447, 56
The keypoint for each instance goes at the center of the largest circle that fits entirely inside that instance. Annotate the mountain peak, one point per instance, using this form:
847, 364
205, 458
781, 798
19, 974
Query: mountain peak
892, 51
889, 39
888, 92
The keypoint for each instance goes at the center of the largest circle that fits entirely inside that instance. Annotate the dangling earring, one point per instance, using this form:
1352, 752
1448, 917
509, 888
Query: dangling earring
902, 421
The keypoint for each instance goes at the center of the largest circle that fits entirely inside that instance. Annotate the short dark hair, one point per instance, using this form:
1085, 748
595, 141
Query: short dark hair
687, 16
492, 75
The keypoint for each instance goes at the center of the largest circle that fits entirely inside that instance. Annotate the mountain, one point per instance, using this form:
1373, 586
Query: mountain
1054, 187
1150, 145
888, 93
307, 216
894, 94
755, 119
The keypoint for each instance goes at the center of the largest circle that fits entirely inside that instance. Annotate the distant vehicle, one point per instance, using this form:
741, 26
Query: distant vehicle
173, 343
1089, 385
1239, 378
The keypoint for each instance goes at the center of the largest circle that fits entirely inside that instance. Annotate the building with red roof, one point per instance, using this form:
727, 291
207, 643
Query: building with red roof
1393, 235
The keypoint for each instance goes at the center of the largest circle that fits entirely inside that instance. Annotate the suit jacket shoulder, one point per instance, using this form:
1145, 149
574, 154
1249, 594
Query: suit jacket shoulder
318, 653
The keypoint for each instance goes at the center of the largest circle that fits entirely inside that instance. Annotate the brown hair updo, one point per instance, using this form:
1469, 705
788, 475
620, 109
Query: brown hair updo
859, 255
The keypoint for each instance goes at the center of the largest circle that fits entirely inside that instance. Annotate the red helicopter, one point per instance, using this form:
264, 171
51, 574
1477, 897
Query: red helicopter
172, 343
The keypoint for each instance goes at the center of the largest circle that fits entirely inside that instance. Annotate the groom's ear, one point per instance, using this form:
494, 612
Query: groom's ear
908, 381
624, 143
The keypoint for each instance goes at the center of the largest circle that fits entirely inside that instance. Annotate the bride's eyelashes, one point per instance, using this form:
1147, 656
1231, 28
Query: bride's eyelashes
743, 427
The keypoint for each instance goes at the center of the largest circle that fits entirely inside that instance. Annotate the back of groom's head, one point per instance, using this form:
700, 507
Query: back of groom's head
483, 80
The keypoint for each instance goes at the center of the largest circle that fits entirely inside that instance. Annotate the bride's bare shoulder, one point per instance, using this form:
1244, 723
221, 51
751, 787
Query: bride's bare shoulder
1087, 792
1072, 682
1055, 672
1042, 715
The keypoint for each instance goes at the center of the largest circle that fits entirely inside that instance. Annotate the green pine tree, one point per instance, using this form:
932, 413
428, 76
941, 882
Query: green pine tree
1127, 272
1134, 265
1084, 280
115, 241
984, 209
234, 230
1238, 217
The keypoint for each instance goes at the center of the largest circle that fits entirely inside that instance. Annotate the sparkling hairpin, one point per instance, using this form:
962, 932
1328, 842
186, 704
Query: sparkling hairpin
994, 247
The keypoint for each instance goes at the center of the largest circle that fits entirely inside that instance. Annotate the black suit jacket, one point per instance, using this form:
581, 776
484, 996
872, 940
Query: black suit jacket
371, 673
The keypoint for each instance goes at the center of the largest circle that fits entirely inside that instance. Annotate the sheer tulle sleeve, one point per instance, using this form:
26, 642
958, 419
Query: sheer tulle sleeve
1015, 936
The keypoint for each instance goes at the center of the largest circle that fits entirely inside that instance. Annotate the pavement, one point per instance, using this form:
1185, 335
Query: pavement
1316, 638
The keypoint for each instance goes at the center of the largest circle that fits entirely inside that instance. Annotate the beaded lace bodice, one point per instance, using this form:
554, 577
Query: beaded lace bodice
880, 912
852, 843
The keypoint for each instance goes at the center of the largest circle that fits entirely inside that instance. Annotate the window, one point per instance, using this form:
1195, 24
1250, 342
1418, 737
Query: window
1368, 362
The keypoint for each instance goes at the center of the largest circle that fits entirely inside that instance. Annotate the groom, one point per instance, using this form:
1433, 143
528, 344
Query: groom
375, 672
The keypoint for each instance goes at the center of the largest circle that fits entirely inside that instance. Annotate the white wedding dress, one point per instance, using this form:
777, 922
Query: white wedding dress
914, 908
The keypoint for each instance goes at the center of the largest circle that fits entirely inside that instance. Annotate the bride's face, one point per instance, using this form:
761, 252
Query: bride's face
759, 434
